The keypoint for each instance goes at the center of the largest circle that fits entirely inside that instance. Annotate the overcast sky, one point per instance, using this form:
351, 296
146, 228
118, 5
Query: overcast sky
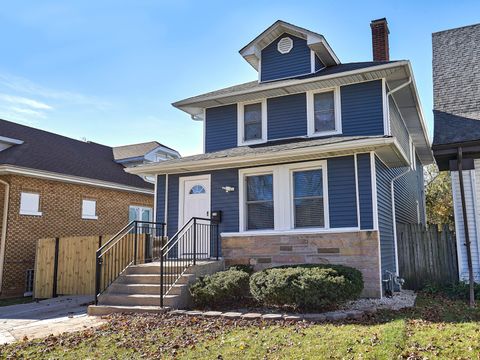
108, 71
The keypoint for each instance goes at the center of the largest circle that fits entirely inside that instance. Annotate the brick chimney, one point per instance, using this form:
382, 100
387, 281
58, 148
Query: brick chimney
380, 40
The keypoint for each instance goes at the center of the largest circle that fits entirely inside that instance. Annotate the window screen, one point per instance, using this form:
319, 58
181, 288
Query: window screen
252, 120
308, 198
324, 111
260, 202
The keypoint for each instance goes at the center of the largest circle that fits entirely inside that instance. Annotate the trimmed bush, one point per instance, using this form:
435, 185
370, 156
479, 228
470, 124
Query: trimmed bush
220, 288
241, 267
307, 286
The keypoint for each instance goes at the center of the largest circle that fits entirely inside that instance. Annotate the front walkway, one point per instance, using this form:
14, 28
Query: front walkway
52, 316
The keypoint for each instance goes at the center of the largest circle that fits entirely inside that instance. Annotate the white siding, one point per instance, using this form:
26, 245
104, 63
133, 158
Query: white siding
472, 193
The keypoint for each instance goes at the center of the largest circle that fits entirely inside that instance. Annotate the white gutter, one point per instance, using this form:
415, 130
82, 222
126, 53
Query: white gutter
3, 238
16, 170
392, 187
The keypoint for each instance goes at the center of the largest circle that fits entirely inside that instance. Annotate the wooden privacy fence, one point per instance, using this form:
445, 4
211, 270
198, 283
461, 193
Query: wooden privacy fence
66, 266
426, 255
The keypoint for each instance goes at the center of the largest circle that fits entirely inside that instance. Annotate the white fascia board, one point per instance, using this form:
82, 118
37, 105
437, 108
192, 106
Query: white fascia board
290, 155
10, 141
16, 170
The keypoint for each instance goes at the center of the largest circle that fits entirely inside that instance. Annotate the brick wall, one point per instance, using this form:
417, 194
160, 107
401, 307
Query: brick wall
355, 249
61, 207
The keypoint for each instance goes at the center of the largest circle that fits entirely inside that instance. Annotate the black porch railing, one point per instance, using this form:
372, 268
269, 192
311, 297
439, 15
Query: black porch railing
136, 243
197, 240
142, 241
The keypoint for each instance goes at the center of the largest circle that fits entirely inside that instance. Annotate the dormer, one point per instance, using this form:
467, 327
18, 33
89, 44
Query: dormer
6, 142
287, 51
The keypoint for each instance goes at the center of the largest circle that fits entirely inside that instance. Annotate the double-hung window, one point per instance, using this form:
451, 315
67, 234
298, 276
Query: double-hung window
259, 202
308, 206
252, 122
323, 109
284, 197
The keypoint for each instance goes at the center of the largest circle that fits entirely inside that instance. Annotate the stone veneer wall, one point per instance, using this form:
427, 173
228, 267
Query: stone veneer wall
356, 249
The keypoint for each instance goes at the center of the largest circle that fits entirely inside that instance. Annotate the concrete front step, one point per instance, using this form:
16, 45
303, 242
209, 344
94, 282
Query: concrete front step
137, 300
155, 278
145, 289
100, 310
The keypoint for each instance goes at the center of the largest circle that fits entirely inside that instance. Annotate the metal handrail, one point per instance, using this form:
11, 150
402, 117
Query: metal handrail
114, 247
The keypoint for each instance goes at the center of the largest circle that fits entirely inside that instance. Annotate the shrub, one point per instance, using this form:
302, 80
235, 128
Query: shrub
460, 290
241, 267
220, 288
307, 287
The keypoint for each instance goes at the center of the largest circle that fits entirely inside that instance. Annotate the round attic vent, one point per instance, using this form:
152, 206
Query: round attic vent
285, 45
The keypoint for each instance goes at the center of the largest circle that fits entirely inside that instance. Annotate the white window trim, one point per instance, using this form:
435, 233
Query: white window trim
89, 217
30, 213
283, 201
241, 127
311, 114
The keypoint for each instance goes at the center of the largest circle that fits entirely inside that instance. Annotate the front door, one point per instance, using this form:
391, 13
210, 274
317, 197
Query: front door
196, 203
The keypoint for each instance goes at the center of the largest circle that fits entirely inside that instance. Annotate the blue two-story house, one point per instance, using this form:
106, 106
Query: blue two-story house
313, 162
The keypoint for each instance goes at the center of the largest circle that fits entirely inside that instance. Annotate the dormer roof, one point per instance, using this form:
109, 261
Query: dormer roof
316, 42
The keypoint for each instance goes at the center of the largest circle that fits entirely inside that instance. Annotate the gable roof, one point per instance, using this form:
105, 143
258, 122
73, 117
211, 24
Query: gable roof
46, 151
315, 41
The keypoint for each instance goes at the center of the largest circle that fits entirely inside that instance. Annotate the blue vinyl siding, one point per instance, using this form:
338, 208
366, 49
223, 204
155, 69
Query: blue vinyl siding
318, 63
362, 109
385, 216
221, 128
408, 189
287, 116
398, 128
365, 191
342, 197
160, 205
275, 65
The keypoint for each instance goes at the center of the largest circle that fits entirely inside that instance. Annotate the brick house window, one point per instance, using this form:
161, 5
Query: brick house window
30, 204
89, 209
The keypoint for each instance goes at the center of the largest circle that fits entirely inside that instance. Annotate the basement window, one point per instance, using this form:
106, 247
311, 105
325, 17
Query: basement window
30, 204
89, 209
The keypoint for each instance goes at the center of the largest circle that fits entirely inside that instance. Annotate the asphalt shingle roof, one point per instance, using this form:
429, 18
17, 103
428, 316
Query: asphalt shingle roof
51, 152
270, 147
255, 85
452, 129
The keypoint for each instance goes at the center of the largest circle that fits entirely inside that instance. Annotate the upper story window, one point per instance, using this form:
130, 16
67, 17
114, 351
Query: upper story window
89, 209
30, 204
323, 112
252, 122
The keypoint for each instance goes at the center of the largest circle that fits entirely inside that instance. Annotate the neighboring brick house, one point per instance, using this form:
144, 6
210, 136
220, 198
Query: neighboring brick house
456, 99
54, 186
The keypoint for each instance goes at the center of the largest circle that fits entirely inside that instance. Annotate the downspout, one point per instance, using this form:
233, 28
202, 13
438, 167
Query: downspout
397, 270
3, 238
471, 278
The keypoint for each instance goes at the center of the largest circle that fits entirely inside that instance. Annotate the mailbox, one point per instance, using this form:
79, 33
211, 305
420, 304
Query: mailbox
217, 216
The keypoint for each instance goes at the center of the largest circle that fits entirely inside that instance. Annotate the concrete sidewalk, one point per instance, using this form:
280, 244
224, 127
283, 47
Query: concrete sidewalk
52, 316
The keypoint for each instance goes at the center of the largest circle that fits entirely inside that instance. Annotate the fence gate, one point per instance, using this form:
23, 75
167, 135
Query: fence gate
426, 254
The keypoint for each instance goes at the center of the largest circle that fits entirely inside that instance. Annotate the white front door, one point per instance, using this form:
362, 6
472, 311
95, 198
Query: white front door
195, 193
